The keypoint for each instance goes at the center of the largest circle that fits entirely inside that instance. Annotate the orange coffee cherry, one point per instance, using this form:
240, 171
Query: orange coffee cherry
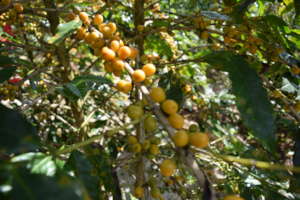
97, 52
149, 69
89, 38
138, 76
115, 45
106, 30
118, 64
124, 52
112, 26
167, 168
99, 43
108, 67
84, 17
108, 54
81, 32
134, 53
124, 86
157, 94
117, 73
169, 106
98, 19
176, 121
138, 192
181, 138
199, 140
18, 7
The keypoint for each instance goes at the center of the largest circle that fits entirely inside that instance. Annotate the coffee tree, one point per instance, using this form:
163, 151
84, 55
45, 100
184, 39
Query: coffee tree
146, 99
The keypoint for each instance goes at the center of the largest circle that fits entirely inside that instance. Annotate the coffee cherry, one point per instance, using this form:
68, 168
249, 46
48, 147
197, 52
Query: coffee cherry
233, 197
18, 7
118, 64
108, 67
81, 33
149, 69
150, 124
138, 76
135, 112
108, 54
138, 192
115, 45
112, 26
98, 19
132, 139
124, 86
154, 149
181, 138
176, 121
84, 17
169, 106
134, 53
199, 140
157, 94
124, 52
167, 168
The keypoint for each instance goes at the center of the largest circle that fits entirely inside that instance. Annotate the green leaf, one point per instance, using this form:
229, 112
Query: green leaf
158, 45
16, 133
251, 97
84, 169
297, 8
6, 61
39, 163
33, 186
78, 87
6, 73
64, 30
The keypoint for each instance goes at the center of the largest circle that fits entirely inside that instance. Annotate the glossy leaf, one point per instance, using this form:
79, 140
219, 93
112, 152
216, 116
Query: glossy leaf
64, 30
84, 170
33, 186
247, 87
16, 132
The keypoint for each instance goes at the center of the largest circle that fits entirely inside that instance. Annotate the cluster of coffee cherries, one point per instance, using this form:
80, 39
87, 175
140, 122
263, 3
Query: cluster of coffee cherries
17, 8
107, 44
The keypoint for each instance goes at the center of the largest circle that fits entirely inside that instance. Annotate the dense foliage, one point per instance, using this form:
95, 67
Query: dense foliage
146, 99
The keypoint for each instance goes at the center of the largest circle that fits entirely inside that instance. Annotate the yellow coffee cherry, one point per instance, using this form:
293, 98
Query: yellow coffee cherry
157, 94
149, 69
135, 112
176, 121
181, 138
138, 192
136, 148
169, 106
138, 76
150, 124
167, 167
233, 197
132, 139
199, 140
124, 86
154, 149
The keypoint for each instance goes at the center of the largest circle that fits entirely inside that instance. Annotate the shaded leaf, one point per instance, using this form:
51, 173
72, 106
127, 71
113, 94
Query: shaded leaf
6, 73
33, 186
64, 30
158, 45
251, 97
78, 87
84, 170
16, 132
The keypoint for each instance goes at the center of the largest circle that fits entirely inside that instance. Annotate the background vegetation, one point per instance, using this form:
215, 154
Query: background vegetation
231, 66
